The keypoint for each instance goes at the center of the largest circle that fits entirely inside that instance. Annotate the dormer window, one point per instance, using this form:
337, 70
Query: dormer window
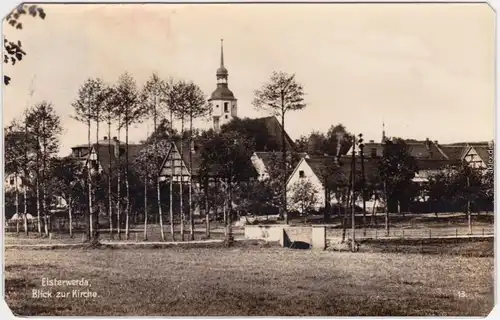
11, 181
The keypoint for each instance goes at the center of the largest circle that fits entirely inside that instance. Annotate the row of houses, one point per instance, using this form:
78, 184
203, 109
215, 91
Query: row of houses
430, 155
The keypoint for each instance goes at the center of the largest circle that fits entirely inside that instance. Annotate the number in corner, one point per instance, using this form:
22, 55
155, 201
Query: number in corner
461, 294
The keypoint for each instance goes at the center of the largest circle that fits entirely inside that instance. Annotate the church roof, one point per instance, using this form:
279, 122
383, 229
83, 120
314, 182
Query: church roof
222, 93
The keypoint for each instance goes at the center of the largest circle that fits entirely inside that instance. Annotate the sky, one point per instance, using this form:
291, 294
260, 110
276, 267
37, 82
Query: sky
425, 70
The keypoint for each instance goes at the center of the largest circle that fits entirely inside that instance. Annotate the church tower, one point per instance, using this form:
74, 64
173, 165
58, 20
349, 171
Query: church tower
224, 107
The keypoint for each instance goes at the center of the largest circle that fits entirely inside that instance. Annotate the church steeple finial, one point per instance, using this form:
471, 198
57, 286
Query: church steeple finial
222, 71
222, 53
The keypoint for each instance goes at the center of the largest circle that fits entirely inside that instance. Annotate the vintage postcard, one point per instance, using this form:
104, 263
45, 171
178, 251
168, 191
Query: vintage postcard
331, 159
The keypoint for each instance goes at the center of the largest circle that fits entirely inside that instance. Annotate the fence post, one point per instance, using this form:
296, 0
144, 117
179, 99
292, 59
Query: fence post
376, 233
456, 232
403, 233
483, 232
430, 235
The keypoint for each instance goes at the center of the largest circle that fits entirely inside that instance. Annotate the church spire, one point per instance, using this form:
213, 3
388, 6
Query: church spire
383, 132
222, 71
222, 53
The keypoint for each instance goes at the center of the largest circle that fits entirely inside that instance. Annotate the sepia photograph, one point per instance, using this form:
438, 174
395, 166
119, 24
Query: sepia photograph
249, 159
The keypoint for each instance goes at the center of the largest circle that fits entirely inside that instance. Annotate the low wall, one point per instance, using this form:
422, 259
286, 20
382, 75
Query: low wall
314, 236
265, 232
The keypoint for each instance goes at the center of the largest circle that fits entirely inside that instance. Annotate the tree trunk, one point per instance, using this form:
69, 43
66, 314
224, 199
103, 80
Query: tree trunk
39, 220
110, 199
182, 178
89, 182
373, 222
171, 191
469, 218
285, 169
95, 236
207, 212
70, 216
386, 209
25, 216
118, 186
145, 208
190, 196
156, 175
127, 187
17, 204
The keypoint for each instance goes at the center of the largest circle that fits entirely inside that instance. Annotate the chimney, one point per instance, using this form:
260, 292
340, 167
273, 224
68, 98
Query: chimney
435, 142
115, 138
372, 141
105, 138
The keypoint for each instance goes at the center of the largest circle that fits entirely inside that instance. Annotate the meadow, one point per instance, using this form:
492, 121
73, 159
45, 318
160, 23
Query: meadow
250, 280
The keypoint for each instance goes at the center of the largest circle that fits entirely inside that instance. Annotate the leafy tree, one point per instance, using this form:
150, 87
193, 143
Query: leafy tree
304, 197
465, 187
44, 124
316, 145
227, 155
396, 168
277, 174
67, 181
18, 150
281, 95
13, 51
301, 144
338, 140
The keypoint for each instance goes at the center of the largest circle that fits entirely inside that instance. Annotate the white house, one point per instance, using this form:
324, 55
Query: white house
313, 168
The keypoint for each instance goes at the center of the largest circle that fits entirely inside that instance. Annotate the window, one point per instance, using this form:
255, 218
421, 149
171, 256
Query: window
226, 116
373, 152
216, 105
11, 181
94, 164
301, 174
226, 106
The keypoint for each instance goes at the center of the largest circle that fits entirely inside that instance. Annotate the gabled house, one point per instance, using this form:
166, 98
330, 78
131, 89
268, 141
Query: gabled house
478, 156
262, 161
101, 156
318, 170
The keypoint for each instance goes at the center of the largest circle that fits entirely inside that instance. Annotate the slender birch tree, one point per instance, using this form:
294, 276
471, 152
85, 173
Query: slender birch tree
153, 98
279, 96
131, 111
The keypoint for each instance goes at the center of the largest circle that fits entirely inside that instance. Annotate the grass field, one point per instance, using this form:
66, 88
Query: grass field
251, 280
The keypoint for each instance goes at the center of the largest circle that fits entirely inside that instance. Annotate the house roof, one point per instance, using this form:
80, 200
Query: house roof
268, 156
454, 152
321, 164
196, 160
429, 164
275, 130
482, 152
106, 155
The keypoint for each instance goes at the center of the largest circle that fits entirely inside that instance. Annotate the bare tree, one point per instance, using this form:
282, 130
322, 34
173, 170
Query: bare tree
280, 95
